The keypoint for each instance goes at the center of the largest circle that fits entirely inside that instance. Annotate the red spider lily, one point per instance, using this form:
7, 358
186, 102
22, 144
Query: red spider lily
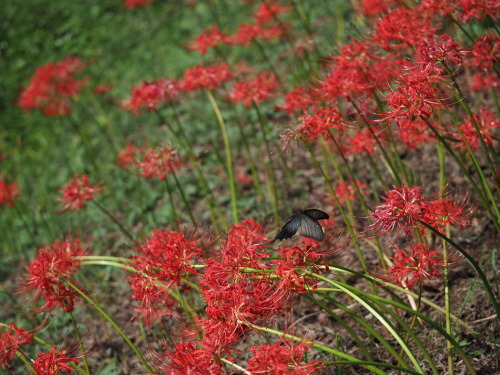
363, 141
211, 37
345, 190
320, 122
469, 9
401, 29
206, 77
485, 52
411, 267
284, 357
432, 8
77, 192
149, 94
54, 362
189, 358
248, 33
297, 100
127, 156
373, 8
11, 341
48, 272
484, 82
52, 85
405, 207
162, 264
269, 11
131, 4
486, 122
103, 88
432, 53
414, 133
261, 88
8, 193
159, 162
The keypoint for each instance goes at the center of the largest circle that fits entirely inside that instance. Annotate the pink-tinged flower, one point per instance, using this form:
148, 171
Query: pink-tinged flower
206, 77
159, 162
52, 86
11, 341
363, 141
127, 156
77, 192
484, 82
404, 208
131, 4
411, 267
49, 271
54, 362
211, 37
432, 53
297, 100
414, 133
485, 52
486, 122
346, 190
149, 94
8, 193
163, 262
284, 357
253, 92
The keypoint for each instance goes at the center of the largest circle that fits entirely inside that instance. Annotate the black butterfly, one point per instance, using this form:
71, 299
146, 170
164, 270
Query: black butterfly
307, 221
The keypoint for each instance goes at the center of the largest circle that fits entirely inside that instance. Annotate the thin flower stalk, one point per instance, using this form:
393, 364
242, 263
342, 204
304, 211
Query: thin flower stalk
229, 160
114, 219
183, 197
173, 211
80, 342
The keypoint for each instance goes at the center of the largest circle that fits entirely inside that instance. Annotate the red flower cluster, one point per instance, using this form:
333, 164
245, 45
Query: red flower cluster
411, 267
131, 4
281, 358
346, 190
486, 122
297, 100
206, 77
149, 94
77, 192
253, 92
211, 37
163, 262
405, 208
51, 87
8, 193
11, 341
49, 273
159, 162
54, 362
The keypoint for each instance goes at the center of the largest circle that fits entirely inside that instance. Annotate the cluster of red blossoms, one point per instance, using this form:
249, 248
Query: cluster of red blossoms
405, 208
11, 341
8, 193
266, 26
149, 94
77, 192
52, 86
150, 163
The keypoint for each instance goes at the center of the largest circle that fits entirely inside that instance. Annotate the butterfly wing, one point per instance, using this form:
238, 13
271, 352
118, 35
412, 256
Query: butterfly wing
290, 228
310, 228
316, 214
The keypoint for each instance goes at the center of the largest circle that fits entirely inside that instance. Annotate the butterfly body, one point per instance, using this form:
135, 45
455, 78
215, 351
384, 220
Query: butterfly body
306, 221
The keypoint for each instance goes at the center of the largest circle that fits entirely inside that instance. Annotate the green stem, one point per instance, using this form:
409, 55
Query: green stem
114, 219
96, 306
80, 341
184, 200
172, 205
229, 160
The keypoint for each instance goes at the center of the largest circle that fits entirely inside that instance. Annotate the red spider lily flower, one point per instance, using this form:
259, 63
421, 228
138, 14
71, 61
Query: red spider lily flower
402, 29
211, 37
284, 357
253, 92
103, 88
485, 52
411, 267
52, 85
269, 11
363, 141
206, 77
48, 272
8, 193
159, 162
484, 82
346, 190
163, 262
373, 8
11, 341
188, 358
414, 133
127, 156
432, 53
297, 100
247, 33
405, 207
432, 8
469, 9
77, 192
54, 362
149, 94
131, 4
486, 122
320, 122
